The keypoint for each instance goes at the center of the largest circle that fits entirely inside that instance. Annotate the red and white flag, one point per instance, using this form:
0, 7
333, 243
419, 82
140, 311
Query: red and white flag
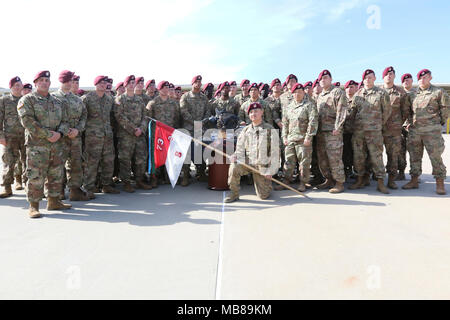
170, 149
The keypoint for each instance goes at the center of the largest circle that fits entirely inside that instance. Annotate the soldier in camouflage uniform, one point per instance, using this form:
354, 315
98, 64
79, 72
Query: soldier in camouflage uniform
12, 137
139, 90
258, 147
129, 112
369, 112
300, 123
150, 89
75, 85
287, 97
392, 133
275, 105
72, 144
244, 95
166, 110
351, 87
99, 145
233, 89
225, 103
315, 170
19, 169
194, 106
255, 97
430, 110
27, 88
332, 109
317, 89
44, 120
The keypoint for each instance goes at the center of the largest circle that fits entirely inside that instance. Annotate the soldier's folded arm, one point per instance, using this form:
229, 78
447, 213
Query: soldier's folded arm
82, 122
184, 110
341, 111
122, 120
29, 123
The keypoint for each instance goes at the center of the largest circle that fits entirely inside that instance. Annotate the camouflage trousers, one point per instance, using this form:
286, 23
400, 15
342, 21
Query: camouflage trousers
329, 154
368, 143
73, 160
14, 153
298, 153
132, 149
263, 186
434, 144
98, 151
44, 167
402, 154
392, 143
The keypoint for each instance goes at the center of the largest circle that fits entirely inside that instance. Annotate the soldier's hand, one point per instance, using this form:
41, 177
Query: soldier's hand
72, 133
335, 132
55, 136
243, 123
280, 124
3, 142
137, 132
285, 142
307, 143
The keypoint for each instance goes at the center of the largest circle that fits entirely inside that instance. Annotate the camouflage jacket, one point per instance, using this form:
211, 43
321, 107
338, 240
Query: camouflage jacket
193, 107
75, 109
129, 113
300, 121
99, 111
332, 109
430, 109
401, 106
241, 98
275, 106
9, 118
267, 116
145, 98
230, 106
167, 111
370, 109
286, 99
39, 115
259, 146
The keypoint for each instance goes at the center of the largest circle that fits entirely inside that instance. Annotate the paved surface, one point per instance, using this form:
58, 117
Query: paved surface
187, 244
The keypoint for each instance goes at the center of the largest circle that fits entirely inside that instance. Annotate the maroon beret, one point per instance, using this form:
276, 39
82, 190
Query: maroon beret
128, 79
42, 74
109, 80
406, 76
178, 88
223, 85
99, 79
13, 81
308, 84
316, 82
66, 76
261, 86
387, 70
350, 83
217, 93
76, 78
337, 84
422, 72
296, 86
120, 84
254, 105
244, 82
254, 85
324, 73
366, 72
284, 84
28, 86
274, 82
163, 84
149, 82
206, 86
361, 84
139, 79
233, 83
81, 92
291, 76
196, 78
171, 86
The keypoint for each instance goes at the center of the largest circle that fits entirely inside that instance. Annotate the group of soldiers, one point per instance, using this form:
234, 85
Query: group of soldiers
89, 141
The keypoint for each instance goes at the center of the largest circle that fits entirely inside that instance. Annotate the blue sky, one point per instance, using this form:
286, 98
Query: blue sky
225, 40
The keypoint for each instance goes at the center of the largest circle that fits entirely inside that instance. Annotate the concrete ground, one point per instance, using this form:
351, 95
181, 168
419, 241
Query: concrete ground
187, 244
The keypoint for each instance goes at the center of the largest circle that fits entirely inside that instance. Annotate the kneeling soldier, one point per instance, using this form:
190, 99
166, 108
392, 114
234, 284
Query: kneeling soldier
259, 147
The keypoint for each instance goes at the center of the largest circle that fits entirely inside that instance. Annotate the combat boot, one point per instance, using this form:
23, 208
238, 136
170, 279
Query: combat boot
440, 188
338, 188
413, 184
391, 182
400, 175
62, 196
280, 187
185, 180
381, 187
18, 186
77, 195
301, 187
90, 194
359, 183
7, 192
232, 197
110, 189
33, 212
142, 185
327, 184
55, 204
128, 187
366, 179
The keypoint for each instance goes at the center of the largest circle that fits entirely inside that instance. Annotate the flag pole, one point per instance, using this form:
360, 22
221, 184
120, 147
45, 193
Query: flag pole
244, 165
